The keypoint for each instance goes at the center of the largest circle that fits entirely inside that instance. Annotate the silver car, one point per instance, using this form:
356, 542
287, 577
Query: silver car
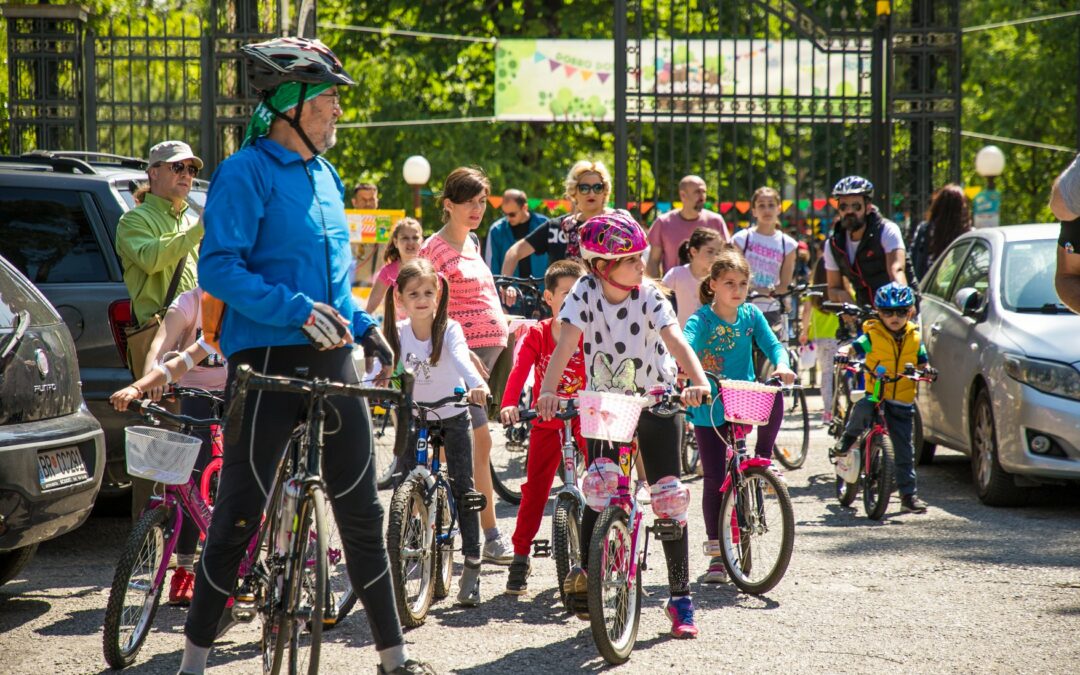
1008, 352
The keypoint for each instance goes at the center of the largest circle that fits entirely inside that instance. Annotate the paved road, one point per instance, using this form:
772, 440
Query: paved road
964, 588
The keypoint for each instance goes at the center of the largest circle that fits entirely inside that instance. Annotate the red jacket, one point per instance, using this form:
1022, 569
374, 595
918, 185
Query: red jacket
535, 352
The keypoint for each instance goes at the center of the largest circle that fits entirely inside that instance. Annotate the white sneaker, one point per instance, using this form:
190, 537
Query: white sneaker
496, 552
642, 494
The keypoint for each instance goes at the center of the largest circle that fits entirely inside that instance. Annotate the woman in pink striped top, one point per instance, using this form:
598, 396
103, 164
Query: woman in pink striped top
454, 251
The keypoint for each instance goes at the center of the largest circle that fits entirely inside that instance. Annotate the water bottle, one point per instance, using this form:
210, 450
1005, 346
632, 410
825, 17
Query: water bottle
290, 493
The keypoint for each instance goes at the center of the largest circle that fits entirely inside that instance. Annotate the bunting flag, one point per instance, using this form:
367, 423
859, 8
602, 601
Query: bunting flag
676, 205
551, 204
535, 203
570, 70
725, 206
785, 205
833, 202
603, 77
663, 207
646, 207
804, 204
586, 74
495, 202
554, 64
972, 190
538, 57
819, 204
742, 207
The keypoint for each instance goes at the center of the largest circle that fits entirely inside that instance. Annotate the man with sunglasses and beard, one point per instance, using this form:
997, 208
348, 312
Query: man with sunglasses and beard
865, 248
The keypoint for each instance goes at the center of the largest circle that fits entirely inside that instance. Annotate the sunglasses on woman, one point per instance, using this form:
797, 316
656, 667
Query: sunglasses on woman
586, 188
179, 168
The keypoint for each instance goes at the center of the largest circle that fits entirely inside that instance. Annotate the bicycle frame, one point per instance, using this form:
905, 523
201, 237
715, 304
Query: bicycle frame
624, 498
429, 469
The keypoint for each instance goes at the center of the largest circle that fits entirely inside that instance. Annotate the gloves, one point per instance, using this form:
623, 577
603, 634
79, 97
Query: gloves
931, 373
325, 328
374, 344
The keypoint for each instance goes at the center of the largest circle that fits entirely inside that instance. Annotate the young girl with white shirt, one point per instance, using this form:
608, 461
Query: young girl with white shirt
629, 335
696, 254
433, 346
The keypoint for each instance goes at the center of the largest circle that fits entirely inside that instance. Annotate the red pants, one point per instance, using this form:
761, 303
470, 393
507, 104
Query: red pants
545, 451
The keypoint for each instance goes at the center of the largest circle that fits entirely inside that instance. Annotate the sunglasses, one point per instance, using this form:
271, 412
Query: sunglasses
900, 311
854, 207
511, 214
586, 188
179, 168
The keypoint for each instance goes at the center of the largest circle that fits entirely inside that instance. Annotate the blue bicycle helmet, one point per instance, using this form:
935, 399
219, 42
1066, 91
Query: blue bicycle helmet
853, 185
894, 295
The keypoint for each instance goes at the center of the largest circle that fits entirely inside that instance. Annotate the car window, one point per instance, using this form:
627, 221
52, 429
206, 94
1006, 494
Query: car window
17, 296
975, 272
48, 237
1028, 275
939, 282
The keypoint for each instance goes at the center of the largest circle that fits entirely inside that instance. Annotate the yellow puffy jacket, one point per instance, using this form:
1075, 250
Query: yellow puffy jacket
881, 348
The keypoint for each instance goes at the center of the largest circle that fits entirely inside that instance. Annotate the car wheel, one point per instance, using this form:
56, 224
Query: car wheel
993, 485
12, 562
924, 451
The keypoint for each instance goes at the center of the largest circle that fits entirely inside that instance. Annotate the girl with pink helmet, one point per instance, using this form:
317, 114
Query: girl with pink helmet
632, 342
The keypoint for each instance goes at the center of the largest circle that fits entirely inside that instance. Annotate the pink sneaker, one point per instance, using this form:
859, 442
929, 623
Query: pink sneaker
681, 613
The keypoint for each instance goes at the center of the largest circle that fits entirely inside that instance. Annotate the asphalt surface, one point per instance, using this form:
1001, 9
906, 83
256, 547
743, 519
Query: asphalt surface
963, 588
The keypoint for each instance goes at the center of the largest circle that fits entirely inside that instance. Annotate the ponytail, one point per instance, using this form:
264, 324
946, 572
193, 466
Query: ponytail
730, 259
705, 293
390, 331
438, 329
684, 253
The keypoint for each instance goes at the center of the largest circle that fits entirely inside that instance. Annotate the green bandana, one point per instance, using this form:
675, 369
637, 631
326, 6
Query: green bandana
284, 98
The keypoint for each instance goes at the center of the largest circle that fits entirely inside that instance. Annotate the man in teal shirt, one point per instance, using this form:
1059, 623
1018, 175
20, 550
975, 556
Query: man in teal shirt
152, 238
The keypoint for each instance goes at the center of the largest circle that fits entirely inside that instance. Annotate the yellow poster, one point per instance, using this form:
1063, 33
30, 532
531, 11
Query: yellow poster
372, 226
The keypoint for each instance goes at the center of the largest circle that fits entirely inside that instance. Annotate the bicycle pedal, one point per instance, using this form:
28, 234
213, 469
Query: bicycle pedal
666, 529
541, 548
472, 502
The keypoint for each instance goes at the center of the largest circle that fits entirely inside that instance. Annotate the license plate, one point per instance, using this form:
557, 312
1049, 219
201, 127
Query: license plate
60, 467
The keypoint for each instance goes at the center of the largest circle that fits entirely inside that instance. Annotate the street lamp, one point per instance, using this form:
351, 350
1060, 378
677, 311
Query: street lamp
990, 163
416, 172
986, 207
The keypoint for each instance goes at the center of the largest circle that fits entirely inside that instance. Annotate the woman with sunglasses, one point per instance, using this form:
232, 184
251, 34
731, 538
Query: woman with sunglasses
587, 187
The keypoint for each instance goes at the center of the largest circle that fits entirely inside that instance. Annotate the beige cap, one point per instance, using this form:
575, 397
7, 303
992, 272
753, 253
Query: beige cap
168, 152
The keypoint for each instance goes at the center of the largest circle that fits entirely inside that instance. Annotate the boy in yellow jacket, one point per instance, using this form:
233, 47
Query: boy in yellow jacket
892, 341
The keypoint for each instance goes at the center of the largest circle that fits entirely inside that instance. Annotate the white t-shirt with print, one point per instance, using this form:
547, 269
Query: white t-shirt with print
765, 253
686, 286
891, 239
454, 369
621, 342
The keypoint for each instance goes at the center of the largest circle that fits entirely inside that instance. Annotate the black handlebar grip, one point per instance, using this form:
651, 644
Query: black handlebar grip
234, 415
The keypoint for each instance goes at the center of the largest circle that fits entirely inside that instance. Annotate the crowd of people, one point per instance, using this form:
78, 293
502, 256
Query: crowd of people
264, 277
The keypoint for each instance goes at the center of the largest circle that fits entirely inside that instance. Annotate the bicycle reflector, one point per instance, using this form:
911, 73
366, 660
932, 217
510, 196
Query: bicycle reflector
601, 483
670, 499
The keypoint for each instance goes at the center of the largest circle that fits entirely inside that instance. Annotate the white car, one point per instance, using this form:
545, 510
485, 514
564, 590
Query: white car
1008, 352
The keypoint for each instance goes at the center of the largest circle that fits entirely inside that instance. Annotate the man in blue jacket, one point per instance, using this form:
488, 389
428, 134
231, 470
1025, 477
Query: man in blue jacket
517, 222
277, 254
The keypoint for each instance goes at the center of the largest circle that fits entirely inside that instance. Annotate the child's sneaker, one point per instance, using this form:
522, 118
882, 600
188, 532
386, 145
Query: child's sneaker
681, 613
518, 581
717, 573
469, 588
181, 587
496, 553
642, 495
576, 589
912, 504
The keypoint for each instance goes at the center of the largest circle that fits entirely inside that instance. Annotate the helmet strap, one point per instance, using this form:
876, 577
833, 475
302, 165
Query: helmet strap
294, 121
606, 275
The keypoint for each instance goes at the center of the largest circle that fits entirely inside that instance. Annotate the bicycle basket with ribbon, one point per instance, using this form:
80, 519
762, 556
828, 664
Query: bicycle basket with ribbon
607, 416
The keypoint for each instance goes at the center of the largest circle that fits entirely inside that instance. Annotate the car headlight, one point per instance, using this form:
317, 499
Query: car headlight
1058, 379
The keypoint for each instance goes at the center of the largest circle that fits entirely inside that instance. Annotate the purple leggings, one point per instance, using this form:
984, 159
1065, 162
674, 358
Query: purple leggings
713, 448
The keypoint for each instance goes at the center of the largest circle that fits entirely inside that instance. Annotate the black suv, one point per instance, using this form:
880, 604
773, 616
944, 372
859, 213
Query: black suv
52, 450
58, 216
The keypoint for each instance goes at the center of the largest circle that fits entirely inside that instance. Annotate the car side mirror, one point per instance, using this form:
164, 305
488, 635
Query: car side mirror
970, 302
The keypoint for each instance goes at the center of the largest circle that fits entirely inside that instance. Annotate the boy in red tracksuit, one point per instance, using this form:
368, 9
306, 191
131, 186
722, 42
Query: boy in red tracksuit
545, 438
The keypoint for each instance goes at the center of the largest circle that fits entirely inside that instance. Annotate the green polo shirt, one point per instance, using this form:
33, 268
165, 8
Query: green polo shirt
150, 240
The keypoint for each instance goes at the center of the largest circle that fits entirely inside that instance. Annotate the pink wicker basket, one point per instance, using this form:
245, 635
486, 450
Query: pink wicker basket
747, 402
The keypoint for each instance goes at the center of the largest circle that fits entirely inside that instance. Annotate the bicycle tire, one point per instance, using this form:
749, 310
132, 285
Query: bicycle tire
846, 492
793, 441
610, 553
269, 592
444, 553
144, 552
878, 482
383, 438
340, 597
566, 539
841, 402
508, 468
689, 457
755, 557
305, 585
208, 483
410, 545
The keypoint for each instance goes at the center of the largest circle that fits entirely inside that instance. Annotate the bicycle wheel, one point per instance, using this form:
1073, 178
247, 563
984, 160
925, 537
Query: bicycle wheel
305, 587
878, 481
410, 545
846, 492
340, 597
688, 452
757, 531
793, 439
135, 593
841, 402
211, 478
614, 596
383, 437
565, 539
508, 464
444, 552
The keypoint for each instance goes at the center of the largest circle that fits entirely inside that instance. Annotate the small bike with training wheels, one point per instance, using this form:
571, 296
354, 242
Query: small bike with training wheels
569, 500
423, 518
757, 522
870, 462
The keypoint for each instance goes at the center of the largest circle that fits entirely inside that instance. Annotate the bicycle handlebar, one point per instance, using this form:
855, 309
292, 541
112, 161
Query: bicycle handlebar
567, 411
247, 380
848, 309
151, 409
927, 374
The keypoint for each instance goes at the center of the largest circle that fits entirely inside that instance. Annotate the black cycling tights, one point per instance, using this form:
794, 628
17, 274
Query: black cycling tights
658, 442
248, 471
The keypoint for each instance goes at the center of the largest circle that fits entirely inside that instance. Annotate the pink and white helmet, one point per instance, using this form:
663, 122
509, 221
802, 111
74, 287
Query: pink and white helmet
670, 499
601, 483
611, 236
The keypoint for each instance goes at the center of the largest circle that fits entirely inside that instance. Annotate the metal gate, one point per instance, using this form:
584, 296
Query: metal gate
788, 94
119, 84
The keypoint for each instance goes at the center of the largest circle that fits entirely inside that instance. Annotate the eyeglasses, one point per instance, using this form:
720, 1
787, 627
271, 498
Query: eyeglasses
899, 311
854, 207
179, 168
331, 94
511, 214
595, 188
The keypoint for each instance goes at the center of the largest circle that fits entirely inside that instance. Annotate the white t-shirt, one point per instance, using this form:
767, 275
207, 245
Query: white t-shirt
765, 253
209, 377
891, 239
621, 343
454, 368
686, 286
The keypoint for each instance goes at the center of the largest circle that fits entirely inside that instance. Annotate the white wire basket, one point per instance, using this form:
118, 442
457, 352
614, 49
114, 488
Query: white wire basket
608, 416
160, 455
